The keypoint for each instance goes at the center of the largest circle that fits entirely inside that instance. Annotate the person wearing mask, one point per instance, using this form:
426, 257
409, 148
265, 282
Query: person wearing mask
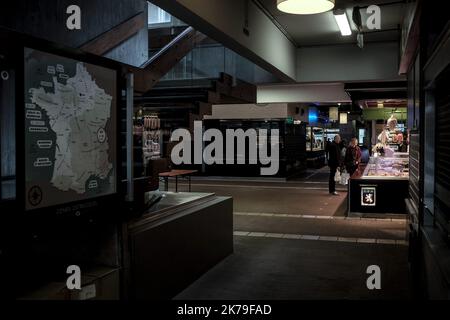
334, 162
352, 157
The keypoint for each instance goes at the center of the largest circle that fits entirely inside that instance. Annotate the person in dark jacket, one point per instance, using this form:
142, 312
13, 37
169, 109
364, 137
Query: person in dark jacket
334, 162
352, 157
327, 144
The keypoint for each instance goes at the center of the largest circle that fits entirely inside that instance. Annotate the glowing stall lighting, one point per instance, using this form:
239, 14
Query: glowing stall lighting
342, 22
313, 115
305, 6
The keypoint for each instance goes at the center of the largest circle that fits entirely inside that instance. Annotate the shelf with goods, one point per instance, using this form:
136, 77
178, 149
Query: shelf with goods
315, 139
147, 140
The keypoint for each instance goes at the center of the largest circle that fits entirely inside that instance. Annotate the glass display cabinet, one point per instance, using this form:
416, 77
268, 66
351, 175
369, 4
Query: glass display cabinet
381, 187
315, 147
387, 168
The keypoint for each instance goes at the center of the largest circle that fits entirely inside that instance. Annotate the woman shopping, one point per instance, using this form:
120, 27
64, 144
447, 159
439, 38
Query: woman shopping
352, 157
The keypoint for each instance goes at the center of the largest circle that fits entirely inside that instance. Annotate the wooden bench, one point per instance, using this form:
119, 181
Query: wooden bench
175, 174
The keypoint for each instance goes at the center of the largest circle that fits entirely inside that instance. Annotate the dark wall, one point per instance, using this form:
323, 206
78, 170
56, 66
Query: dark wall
47, 20
429, 98
7, 133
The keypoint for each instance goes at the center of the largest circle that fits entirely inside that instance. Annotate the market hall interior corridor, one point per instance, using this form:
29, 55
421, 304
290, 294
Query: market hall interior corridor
158, 150
292, 240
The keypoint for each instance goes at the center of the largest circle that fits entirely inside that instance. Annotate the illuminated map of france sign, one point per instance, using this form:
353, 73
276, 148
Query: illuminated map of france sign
70, 142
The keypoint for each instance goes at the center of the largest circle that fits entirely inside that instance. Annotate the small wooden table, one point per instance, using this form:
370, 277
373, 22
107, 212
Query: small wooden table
176, 174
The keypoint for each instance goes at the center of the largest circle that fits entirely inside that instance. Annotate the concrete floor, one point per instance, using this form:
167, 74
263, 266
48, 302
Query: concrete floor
293, 241
307, 195
284, 269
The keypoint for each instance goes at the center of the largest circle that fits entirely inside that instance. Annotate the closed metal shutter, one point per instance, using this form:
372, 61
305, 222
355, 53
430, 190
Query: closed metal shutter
442, 168
414, 172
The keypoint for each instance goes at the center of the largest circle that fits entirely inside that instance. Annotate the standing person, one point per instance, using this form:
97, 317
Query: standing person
334, 162
343, 148
352, 157
327, 145
404, 145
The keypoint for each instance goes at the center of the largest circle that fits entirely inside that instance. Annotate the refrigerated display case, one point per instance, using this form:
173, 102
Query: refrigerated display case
387, 168
380, 187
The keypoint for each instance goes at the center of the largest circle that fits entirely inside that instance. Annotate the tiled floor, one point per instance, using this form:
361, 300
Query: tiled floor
293, 241
322, 226
273, 268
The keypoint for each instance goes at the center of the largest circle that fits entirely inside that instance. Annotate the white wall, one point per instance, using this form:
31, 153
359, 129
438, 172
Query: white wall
253, 111
302, 93
377, 61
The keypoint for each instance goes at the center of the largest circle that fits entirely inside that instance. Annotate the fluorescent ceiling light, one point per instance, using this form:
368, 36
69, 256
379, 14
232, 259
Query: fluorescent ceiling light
305, 6
342, 22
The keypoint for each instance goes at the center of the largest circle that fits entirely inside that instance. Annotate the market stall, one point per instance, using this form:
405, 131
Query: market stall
381, 186
315, 147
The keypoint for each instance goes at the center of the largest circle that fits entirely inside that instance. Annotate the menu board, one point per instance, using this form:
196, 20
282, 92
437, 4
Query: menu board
70, 125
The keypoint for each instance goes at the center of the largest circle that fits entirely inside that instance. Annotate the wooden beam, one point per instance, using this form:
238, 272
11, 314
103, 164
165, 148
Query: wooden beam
117, 35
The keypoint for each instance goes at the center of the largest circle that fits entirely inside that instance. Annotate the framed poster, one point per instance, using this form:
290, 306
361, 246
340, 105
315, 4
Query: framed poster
368, 196
70, 130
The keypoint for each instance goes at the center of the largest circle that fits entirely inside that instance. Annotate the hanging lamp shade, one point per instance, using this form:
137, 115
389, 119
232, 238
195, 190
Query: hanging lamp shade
305, 6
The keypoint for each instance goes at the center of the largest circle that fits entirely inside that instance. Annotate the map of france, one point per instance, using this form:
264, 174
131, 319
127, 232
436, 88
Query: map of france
78, 113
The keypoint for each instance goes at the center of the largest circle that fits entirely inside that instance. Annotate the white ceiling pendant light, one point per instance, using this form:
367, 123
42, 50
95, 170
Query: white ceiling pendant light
305, 6
342, 22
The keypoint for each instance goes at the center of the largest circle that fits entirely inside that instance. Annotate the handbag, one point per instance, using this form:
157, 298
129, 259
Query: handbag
345, 177
337, 176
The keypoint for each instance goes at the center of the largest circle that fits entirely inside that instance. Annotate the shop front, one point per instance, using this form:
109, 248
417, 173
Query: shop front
382, 184
315, 146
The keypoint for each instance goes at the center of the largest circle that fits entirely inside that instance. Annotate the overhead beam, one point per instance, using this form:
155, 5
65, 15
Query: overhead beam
114, 37
376, 86
345, 63
251, 34
303, 93
384, 95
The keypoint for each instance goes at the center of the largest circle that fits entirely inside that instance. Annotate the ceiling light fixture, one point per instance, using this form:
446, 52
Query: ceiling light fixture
305, 6
342, 22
